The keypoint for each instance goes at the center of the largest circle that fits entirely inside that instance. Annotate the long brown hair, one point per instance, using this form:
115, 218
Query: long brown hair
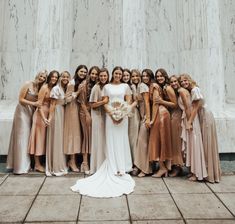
164, 73
76, 78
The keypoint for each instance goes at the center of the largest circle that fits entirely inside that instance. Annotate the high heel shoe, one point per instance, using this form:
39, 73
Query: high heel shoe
141, 174
175, 172
40, 169
160, 173
85, 168
73, 167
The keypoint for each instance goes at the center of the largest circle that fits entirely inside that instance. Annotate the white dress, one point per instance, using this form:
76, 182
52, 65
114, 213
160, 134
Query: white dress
105, 182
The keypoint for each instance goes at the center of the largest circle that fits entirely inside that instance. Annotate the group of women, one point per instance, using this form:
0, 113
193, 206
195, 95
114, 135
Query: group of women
61, 117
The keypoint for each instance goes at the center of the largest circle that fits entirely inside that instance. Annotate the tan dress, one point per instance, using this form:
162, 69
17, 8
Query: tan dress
98, 146
133, 125
55, 157
210, 143
160, 148
142, 151
72, 126
192, 144
177, 156
37, 142
18, 158
86, 130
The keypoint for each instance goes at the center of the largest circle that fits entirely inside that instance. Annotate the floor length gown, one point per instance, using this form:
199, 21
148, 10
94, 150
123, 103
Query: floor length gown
105, 182
98, 144
55, 157
18, 158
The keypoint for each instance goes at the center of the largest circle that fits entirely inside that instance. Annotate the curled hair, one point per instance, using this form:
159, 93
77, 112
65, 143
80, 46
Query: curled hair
137, 72
39, 85
189, 78
92, 68
50, 75
149, 73
129, 72
114, 69
99, 82
90, 83
76, 78
165, 75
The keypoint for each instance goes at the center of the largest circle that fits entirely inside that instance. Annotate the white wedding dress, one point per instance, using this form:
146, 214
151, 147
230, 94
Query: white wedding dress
105, 182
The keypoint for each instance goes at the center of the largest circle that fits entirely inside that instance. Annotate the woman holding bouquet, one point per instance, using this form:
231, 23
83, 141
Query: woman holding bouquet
111, 179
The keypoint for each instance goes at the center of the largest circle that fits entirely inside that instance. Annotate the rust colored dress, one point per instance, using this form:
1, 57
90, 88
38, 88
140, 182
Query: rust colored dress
141, 160
37, 141
160, 148
72, 126
209, 139
86, 130
18, 158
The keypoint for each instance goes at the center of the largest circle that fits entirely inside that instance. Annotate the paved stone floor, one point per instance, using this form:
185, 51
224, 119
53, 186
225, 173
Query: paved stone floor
34, 198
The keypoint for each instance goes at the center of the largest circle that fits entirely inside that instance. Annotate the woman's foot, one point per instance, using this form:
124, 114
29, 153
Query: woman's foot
160, 173
141, 174
73, 166
85, 168
135, 171
175, 172
39, 168
192, 178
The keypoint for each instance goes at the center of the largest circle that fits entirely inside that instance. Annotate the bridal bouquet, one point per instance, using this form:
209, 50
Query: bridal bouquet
119, 109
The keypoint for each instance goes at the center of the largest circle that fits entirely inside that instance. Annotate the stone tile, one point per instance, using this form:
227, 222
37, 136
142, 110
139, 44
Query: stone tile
149, 185
204, 206
95, 209
21, 185
182, 185
105, 222
229, 200
148, 207
158, 222
54, 208
2, 177
50, 222
58, 185
210, 221
14, 208
227, 184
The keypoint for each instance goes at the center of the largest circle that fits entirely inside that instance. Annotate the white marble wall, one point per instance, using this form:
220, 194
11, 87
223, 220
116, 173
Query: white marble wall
194, 36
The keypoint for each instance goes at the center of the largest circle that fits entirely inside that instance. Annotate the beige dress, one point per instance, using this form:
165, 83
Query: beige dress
192, 144
37, 142
210, 143
98, 146
72, 126
177, 156
55, 157
160, 148
86, 130
133, 125
18, 158
141, 160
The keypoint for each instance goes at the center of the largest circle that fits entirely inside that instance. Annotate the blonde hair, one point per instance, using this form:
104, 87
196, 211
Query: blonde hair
137, 72
189, 78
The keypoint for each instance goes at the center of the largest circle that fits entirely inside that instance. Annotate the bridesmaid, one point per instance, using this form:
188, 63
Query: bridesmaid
37, 142
134, 120
176, 130
18, 158
55, 157
84, 114
208, 129
160, 133
98, 121
191, 133
72, 126
141, 159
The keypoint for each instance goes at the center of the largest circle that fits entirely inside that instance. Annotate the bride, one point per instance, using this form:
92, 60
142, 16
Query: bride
111, 179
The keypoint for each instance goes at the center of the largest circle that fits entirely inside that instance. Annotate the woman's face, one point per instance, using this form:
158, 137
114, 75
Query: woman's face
82, 73
160, 78
103, 77
135, 78
94, 75
184, 82
65, 78
126, 77
117, 75
54, 78
145, 78
42, 77
174, 83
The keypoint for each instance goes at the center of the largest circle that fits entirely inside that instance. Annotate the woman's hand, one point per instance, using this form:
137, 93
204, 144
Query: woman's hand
88, 119
105, 100
117, 122
147, 123
37, 104
158, 100
189, 125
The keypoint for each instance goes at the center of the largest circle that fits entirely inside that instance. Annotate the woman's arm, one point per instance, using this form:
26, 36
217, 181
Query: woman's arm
147, 109
41, 95
22, 95
155, 105
186, 102
95, 105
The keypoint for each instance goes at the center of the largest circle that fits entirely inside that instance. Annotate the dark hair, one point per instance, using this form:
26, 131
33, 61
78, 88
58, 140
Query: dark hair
127, 70
114, 69
76, 78
150, 74
94, 67
107, 72
90, 83
164, 73
50, 75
